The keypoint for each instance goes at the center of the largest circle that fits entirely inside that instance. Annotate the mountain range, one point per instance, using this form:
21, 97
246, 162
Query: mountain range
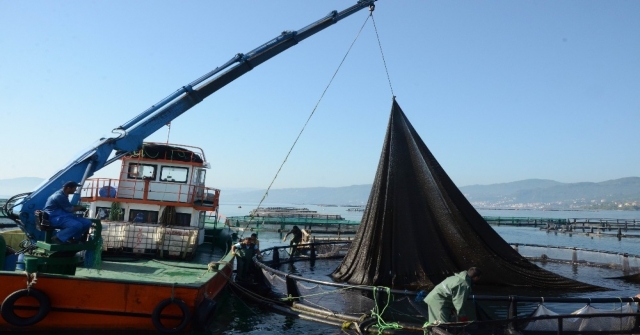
530, 193
548, 194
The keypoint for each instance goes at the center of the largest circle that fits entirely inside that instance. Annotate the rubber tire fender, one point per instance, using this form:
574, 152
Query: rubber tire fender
155, 316
9, 303
204, 314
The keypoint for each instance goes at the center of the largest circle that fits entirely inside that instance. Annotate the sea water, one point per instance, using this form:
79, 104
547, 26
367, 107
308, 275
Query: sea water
238, 317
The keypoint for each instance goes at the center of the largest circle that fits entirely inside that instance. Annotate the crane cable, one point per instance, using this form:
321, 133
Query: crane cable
371, 9
382, 53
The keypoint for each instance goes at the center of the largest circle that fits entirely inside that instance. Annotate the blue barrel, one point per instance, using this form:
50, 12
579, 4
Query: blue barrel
10, 262
107, 192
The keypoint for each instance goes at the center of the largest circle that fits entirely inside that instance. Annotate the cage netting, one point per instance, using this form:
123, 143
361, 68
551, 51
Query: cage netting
418, 228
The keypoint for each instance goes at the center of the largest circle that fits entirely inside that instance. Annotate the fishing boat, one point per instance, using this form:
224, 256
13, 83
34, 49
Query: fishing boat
152, 218
156, 271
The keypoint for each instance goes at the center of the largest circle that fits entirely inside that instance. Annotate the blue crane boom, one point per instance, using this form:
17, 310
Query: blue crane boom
132, 133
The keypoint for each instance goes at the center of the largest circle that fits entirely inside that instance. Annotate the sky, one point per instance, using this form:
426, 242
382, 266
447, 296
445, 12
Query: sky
499, 91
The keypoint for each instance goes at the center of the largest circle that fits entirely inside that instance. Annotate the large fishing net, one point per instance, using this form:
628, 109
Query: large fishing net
418, 228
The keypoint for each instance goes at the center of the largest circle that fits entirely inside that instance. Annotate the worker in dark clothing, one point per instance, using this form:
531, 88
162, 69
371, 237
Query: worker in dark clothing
295, 240
451, 295
255, 240
62, 217
244, 252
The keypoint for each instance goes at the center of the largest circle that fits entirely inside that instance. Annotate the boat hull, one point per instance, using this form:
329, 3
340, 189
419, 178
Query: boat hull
84, 303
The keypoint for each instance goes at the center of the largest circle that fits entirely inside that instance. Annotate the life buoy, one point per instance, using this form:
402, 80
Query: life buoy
9, 303
204, 314
155, 316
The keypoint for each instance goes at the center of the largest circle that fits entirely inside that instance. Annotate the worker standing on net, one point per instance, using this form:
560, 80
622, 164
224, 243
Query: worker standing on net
451, 296
295, 240
244, 251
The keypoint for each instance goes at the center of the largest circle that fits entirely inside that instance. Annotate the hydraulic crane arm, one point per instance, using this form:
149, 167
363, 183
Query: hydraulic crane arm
132, 133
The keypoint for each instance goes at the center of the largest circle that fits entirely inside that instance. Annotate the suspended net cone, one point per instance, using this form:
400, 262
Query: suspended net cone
418, 228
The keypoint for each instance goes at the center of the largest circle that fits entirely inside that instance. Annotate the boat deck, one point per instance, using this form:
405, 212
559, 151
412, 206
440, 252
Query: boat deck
165, 271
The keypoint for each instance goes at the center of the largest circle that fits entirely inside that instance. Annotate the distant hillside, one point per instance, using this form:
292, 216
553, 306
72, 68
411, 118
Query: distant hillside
621, 193
11, 187
530, 193
538, 192
498, 192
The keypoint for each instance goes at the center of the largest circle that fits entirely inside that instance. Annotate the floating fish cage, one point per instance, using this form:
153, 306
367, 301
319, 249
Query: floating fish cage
298, 286
628, 263
325, 224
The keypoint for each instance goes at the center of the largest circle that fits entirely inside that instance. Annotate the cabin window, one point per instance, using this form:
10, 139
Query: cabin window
142, 171
202, 174
174, 174
183, 219
140, 216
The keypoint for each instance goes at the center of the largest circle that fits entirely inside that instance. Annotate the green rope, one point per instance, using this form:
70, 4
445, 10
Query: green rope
93, 257
97, 258
144, 153
376, 313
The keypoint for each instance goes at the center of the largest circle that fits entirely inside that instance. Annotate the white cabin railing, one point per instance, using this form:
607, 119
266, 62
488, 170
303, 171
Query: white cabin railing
147, 191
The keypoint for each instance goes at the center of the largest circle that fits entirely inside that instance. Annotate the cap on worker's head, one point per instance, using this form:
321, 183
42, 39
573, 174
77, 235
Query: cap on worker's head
71, 184
474, 272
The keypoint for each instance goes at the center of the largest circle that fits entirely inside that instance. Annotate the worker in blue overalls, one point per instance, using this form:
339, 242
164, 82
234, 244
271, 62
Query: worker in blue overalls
62, 217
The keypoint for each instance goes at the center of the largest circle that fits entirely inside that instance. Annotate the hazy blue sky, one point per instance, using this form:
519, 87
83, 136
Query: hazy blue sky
499, 90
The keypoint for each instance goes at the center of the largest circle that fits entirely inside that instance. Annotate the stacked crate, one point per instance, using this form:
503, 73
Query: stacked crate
113, 235
178, 242
140, 238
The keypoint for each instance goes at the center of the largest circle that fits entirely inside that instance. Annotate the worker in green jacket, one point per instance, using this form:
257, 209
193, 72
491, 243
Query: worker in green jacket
451, 294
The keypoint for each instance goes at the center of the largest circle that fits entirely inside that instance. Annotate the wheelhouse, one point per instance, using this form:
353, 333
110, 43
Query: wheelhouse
158, 203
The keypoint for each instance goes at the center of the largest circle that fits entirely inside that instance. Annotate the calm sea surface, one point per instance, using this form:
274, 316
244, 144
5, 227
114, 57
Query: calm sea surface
235, 316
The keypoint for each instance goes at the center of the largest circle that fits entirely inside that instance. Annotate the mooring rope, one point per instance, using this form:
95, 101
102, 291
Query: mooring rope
209, 268
266, 193
321, 293
249, 292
